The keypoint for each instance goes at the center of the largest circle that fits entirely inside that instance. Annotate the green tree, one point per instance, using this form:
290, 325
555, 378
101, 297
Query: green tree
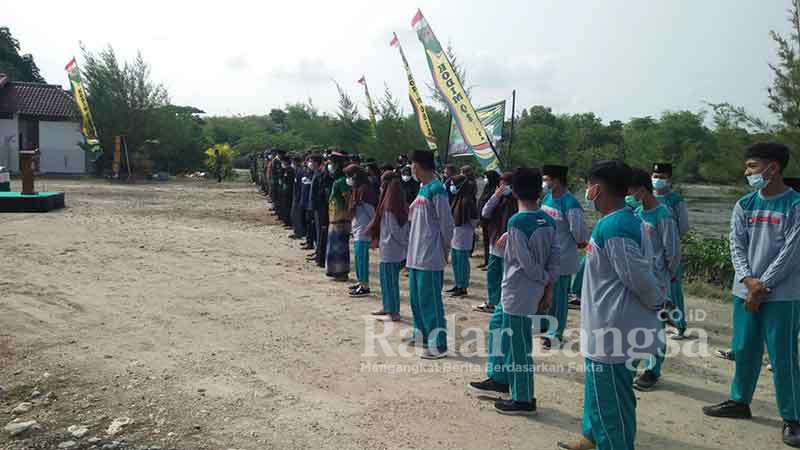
18, 67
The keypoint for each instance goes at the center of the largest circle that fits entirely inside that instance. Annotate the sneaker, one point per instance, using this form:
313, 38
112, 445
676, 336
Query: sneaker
574, 302
646, 381
491, 388
354, 287
728, 409
360, 292
725, 354
546, 342
577, 444
514, 408
434, 353
459, 293
680, 335
791, 434
389, 317
451, 290
484, 308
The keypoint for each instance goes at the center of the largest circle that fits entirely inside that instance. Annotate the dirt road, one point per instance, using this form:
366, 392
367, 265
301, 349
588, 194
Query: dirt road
184, 308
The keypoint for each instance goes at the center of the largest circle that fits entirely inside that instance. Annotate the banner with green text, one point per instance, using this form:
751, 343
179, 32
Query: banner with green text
87, 124
416, 100
370, 105
447, 83
492, 117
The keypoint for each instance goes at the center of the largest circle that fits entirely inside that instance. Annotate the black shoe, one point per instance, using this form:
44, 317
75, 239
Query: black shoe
728, 409
725, 354
354, 287
546, 343
360, 292
490, 387
646, 381
513, 408
459, 293
791, 434
306, 247
451, 290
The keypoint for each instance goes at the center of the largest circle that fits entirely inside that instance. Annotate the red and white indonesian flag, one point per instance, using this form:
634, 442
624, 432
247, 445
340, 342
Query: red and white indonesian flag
395, 42
79, 94
363, 80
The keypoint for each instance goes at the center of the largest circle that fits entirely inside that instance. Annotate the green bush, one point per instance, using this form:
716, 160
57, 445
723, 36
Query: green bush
707, 260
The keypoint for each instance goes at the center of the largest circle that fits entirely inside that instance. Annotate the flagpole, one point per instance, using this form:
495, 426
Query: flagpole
513, 115
446, 154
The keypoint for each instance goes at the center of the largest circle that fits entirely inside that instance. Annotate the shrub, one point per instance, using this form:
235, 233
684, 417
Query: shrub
707, 260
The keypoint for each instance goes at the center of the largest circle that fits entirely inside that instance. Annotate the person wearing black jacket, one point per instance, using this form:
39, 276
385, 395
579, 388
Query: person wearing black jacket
320, 192
313, 165
491, 180
286, 189
409, 184
298, 206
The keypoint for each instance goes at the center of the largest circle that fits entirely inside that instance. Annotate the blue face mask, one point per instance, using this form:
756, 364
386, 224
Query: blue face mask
660, 183
759, 181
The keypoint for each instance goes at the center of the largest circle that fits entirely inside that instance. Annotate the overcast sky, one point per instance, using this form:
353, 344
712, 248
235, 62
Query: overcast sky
616, 58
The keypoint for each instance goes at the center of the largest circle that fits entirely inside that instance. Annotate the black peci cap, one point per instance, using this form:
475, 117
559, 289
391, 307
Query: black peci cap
662, 168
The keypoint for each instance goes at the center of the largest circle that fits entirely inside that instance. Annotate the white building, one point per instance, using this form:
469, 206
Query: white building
43, 116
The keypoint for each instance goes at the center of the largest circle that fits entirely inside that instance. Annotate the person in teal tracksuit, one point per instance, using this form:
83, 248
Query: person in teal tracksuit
663, 232
662, 185
465, 217
390, 228
566, 210
361, 204
428, 250
621, 300
531, 257
496, 212
765, 250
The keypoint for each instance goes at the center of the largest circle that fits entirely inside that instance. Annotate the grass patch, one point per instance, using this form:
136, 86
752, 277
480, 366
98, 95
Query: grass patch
718, 294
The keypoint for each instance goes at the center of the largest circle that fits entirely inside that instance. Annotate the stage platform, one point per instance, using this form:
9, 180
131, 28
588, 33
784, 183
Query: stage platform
39, 202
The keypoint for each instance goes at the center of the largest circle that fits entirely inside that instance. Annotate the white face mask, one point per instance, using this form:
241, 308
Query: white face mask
507, 191
406, 178
453, 189
331, 168
350, 181
546, 187
485, 180
660, 183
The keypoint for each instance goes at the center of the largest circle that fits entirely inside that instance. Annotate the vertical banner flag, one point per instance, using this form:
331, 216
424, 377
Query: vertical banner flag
363, 82
448, 84
492, 117
416, 100
80, 100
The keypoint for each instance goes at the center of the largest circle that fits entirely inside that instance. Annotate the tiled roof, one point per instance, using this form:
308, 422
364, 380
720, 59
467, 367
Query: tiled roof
37, 99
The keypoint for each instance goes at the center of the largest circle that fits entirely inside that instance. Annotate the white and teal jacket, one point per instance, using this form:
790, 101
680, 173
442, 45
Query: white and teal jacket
765, 244
621, 295
663, 233
531, 261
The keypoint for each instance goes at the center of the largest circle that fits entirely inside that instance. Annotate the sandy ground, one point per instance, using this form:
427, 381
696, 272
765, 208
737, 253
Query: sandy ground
183, 307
